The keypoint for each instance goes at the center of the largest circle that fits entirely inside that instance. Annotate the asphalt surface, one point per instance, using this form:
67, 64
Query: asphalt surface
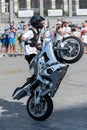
70, 101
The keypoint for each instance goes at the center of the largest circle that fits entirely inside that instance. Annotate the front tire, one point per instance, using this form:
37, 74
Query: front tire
41, 111
75, 49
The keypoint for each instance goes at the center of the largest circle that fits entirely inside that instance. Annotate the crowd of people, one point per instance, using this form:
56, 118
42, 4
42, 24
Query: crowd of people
10, 38
11, 43
65, 29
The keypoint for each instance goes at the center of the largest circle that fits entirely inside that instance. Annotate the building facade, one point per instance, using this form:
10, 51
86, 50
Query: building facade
47, 4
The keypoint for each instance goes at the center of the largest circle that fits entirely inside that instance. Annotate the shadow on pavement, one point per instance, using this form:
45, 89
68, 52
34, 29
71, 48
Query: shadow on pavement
14, 116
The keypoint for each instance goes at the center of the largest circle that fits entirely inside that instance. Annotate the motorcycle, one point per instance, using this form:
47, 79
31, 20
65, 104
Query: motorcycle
50, 66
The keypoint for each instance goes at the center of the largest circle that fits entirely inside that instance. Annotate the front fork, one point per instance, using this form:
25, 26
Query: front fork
37, 95
40, 92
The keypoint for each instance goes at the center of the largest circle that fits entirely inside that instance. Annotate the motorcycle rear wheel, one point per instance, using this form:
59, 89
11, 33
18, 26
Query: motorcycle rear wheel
74, 51
42, 111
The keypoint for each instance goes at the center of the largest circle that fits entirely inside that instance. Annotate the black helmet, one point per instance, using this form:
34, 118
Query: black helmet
35, 21
41, 18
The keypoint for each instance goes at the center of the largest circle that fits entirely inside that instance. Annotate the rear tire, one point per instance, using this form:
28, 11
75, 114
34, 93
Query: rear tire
75, 52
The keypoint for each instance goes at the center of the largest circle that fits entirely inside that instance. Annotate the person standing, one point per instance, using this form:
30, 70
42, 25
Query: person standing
84, 36
5, 41
66, 29
11, 39
59, 31
77, 32
21, 42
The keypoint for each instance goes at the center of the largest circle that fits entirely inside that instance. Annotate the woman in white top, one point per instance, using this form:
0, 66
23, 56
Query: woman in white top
59, 31
66, 29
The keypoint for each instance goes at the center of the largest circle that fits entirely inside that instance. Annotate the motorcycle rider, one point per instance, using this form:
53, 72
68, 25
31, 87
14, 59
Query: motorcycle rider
32, 39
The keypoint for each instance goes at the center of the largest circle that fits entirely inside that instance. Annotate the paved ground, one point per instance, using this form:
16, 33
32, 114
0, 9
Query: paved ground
70, 101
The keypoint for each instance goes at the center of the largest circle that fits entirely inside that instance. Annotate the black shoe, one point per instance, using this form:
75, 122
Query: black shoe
29, 80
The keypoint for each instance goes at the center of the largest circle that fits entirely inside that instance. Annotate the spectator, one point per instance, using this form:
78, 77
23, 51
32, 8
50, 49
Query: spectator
18, 33
47, 32
14, 31
59, 31
11, 39
5, 41
84, 36
53, 28
77, 33
66, 29
83, 29
21, 43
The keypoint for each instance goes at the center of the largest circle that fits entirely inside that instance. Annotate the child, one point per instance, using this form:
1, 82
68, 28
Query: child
5, 40
11, 39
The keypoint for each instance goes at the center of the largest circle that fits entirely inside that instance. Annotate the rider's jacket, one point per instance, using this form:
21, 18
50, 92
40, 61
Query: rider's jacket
34, 40
32, 37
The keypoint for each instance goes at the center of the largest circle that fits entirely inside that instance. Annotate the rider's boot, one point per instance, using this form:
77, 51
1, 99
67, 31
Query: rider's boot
30, 79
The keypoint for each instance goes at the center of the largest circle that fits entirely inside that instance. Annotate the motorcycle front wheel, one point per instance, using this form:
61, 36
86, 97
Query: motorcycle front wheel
42, 110
73, 49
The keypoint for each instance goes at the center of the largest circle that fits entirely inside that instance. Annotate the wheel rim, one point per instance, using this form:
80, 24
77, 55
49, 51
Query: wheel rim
72, 51
38, 110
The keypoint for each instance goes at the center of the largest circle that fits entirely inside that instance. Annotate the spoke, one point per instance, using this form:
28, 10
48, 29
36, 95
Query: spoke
38, 110
73, 49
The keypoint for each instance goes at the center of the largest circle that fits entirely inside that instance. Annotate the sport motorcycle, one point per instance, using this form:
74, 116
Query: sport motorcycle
50, 66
